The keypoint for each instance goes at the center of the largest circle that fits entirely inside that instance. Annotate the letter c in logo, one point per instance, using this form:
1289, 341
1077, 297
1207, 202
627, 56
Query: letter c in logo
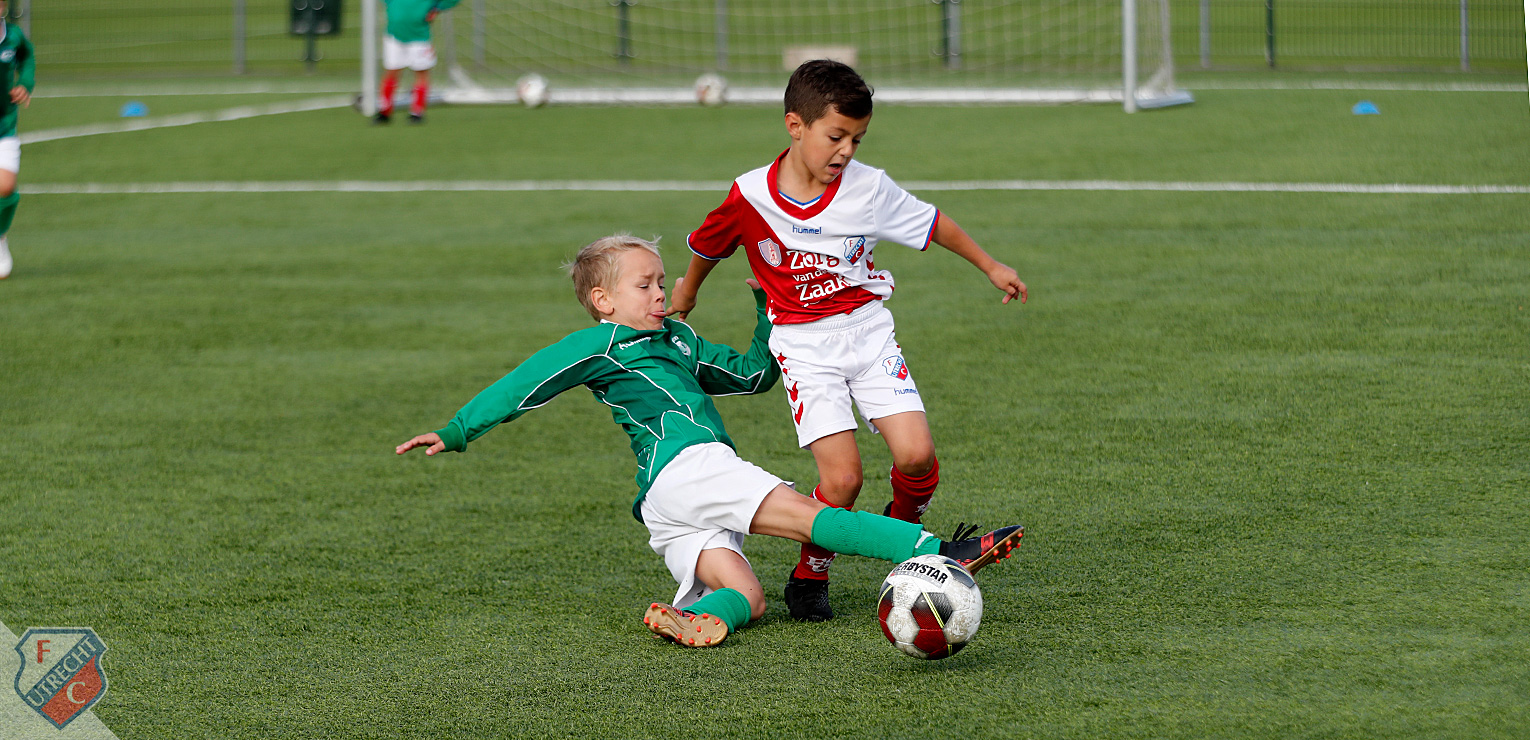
69, 692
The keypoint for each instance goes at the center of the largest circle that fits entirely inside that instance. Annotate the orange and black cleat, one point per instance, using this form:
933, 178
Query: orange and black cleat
976, 553
685, 628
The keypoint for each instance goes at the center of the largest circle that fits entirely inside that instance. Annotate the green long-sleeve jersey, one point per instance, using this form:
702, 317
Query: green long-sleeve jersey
16, 68
658, 384
406, 18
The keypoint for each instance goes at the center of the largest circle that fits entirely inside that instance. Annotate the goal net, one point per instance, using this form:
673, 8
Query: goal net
934, 51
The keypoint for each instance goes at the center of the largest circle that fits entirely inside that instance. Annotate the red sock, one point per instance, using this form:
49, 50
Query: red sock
911, 496
814, 562
417, 108
385, 96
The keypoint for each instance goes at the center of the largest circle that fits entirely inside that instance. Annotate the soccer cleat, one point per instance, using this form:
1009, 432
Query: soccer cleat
976, 553
685, 628
5, 258
381, 118
416, 118
807, 599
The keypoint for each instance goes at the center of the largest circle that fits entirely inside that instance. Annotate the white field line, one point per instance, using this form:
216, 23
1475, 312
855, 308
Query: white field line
187, 119
666, 186
1356, 85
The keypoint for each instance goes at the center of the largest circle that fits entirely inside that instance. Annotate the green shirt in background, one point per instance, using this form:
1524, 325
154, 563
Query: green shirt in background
658, 383
406, 18
16, 68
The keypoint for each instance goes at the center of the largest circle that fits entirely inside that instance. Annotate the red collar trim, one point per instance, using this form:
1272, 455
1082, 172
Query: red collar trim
792, 209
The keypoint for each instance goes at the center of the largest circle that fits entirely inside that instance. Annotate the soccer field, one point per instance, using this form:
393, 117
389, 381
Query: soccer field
1271, 448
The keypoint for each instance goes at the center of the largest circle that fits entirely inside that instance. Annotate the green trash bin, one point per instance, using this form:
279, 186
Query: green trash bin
315, 18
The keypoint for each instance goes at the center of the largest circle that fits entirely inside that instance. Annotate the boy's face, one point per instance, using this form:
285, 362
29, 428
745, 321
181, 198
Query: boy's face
637, 297
828, 144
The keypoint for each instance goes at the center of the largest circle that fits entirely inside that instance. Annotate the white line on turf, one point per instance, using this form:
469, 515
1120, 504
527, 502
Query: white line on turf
664, 186
187, 119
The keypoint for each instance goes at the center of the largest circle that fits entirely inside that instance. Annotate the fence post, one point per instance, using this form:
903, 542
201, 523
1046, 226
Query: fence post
1466, 43
1205, 34
239, 25
480, 19
720, 31
1269, 32
26, 17
624, 31
951, 32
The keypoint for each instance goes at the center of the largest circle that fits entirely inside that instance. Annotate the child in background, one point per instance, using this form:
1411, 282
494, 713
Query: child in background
407, 44
16, 70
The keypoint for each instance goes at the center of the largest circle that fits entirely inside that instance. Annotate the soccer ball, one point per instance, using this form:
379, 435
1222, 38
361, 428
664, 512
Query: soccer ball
532, 90
930, 607
711, 90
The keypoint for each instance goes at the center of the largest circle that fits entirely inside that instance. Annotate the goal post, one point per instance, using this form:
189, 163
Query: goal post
911, 51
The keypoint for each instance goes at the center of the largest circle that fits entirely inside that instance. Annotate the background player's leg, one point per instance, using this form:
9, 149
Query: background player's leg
9, 198
915, 471
385, 95
421, 93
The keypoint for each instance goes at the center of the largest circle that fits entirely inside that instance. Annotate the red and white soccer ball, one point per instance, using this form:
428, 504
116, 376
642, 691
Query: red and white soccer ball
711, 90
930, 607
532, 90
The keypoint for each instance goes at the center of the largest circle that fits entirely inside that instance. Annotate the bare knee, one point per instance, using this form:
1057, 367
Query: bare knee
841, 486
7, 189
916, 464
756, 606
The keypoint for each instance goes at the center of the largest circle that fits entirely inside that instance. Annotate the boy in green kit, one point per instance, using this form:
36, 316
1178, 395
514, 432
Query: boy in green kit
407, 44
16, 70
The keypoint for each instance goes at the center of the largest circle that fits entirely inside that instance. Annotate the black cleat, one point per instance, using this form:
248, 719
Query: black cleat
381, 119
976, 553
807, 599
416, 119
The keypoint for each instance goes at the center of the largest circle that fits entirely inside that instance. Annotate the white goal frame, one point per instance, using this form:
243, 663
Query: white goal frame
458, 85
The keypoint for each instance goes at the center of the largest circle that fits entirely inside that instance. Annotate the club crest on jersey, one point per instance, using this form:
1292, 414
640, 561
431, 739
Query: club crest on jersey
60, 675
895, 367
684, 350
855, 248
770, 251
7, 55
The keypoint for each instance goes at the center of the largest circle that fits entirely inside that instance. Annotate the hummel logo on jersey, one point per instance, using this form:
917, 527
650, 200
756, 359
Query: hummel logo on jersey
770, 251
806, 230
625, 345
855, 247
683, 349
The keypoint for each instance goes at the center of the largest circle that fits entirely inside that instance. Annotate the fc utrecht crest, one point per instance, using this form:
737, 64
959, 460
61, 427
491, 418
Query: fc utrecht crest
60, 674
770, 251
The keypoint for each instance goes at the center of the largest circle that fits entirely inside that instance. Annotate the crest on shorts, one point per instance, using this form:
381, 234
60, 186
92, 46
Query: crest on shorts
770, 251
895, 367
60, 675
855, 248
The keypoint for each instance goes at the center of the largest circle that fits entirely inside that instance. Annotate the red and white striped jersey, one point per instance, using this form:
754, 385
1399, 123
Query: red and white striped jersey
815, 259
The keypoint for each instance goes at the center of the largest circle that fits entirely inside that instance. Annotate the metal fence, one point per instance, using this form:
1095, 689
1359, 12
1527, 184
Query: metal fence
1466, 35
131, 38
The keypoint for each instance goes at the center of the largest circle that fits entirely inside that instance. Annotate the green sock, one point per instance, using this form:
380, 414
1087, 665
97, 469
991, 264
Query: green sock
864, 533
728, 604
8, 212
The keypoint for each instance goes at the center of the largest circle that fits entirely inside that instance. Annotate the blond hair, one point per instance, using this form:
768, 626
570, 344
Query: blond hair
598, 264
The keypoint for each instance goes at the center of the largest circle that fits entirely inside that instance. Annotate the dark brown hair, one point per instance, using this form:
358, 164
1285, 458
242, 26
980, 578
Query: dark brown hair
822, 83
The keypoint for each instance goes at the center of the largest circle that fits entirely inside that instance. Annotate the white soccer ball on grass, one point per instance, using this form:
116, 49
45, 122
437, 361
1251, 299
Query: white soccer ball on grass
711, 90
532, 90
930, 607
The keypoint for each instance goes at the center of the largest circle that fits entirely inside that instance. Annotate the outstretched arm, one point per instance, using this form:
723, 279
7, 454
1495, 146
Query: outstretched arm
683, 300
431, 442
950, 235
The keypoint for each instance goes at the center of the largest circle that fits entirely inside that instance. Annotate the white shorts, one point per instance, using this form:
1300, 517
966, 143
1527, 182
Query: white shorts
833, 360
703, 499
10, 154
416, 55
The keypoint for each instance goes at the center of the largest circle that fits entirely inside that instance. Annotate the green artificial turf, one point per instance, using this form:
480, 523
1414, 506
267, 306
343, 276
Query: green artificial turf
1271, 449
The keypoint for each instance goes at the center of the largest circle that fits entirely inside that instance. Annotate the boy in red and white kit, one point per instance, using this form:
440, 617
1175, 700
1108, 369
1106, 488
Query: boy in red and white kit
808, 223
